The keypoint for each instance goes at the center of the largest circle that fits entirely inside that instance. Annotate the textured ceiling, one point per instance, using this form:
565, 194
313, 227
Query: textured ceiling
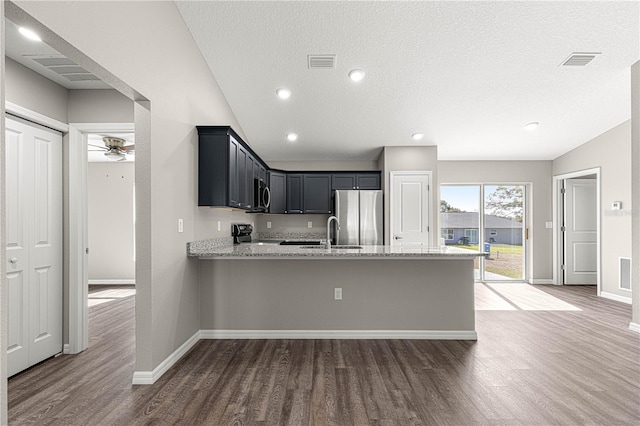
469, 75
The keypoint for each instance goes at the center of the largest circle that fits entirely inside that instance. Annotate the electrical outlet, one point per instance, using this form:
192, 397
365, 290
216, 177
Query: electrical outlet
548, 225
219, 226
337, 293
268, 225
309, 225
180, 225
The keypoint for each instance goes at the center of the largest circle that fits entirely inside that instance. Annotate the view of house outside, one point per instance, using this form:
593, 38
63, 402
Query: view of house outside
502, 233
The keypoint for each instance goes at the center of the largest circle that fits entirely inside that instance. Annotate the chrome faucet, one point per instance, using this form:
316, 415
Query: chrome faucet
328, 243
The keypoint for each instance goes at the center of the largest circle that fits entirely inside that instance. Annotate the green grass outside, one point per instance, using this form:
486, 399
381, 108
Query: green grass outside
495, 248
504, 259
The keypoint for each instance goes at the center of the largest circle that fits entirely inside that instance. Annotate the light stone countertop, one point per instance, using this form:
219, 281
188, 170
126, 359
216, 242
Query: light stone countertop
214, 249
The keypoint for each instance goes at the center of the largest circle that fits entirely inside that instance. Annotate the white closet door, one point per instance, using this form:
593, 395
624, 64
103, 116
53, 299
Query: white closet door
34, 244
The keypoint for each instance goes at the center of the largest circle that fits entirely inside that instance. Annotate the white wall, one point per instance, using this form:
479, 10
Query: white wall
610, 151
538, 173
111, 232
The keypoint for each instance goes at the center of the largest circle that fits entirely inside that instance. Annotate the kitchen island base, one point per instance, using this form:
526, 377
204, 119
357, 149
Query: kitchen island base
294, 298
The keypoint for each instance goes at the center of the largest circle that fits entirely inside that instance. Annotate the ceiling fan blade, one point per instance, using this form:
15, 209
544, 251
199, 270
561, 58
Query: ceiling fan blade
102, 148
128, 148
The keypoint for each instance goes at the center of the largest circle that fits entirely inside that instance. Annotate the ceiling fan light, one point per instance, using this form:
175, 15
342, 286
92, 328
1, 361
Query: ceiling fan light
114, 155
532, 126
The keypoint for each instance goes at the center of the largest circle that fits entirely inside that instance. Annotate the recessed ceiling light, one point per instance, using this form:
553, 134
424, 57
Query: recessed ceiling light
292, 137
356, 75
531, 126
29, 34
417, 136
283, 93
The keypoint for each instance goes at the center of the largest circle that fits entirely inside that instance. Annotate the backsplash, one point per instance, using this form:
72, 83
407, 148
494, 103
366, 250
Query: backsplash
291, 226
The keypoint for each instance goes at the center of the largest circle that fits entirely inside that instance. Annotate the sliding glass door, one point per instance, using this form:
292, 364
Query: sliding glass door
490, 218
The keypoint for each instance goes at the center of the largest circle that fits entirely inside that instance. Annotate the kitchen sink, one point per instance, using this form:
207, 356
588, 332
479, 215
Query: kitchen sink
333, 247
300, 242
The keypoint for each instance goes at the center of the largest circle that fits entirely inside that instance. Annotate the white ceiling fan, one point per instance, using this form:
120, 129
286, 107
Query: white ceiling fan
116, 148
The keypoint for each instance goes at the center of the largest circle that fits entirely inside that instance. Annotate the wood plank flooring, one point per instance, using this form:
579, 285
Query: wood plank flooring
562, 367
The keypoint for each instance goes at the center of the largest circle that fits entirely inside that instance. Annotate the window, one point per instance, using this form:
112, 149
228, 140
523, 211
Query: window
472, 235
446, 233
493, 232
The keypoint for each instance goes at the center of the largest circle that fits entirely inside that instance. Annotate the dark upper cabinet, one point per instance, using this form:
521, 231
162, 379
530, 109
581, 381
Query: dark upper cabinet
278, 188
295, 196
365, 180
226, 169
368, 180
317, 193
249, 173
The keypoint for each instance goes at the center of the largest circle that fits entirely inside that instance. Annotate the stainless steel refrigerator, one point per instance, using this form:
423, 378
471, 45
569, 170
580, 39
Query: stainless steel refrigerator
360, 216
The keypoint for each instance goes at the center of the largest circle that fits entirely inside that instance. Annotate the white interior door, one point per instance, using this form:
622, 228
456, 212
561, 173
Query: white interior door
34, 244
580, 231
410, 209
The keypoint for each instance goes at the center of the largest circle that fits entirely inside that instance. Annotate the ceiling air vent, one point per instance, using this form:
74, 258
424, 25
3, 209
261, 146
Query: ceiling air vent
579, 59
63, 66
321, 61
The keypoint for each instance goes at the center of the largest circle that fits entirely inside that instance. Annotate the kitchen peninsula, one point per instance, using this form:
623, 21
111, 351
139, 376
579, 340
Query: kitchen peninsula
275, 291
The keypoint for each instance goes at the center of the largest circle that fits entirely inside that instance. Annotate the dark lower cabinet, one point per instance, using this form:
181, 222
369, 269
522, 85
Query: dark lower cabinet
278, 188
317, 193
295, 197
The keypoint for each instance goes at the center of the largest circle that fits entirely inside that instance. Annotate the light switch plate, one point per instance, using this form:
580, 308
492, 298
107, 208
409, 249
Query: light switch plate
548, 225
219, 226
309, 224
268, 225
337, 293
180, 225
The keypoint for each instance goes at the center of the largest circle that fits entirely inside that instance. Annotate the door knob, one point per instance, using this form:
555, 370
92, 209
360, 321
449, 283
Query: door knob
13, 260
397, 238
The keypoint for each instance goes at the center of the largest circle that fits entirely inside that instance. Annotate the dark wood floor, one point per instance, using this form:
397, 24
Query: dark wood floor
528, 367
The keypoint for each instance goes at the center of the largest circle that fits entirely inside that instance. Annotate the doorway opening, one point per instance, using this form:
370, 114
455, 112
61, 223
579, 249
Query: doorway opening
577, 228
489, 218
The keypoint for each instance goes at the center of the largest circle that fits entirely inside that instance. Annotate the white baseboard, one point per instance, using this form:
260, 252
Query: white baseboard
542, 281
634, 327
615, 297
150, 377
341, 334
112, 282
66, 349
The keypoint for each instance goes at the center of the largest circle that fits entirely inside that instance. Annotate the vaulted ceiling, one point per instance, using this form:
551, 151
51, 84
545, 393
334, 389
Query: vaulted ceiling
468, 75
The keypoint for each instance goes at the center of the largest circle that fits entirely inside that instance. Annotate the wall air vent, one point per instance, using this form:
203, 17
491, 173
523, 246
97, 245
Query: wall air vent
579, 59
624, 272
321, 61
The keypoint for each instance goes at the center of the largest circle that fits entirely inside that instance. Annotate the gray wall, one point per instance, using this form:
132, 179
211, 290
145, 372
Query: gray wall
99, 106
281, 294
3, 238
30, 90
111, 233
538, 173
635, 174
157, 57
610, 151
410, 158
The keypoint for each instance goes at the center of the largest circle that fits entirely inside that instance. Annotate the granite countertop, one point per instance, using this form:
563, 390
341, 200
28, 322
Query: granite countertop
216, 249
